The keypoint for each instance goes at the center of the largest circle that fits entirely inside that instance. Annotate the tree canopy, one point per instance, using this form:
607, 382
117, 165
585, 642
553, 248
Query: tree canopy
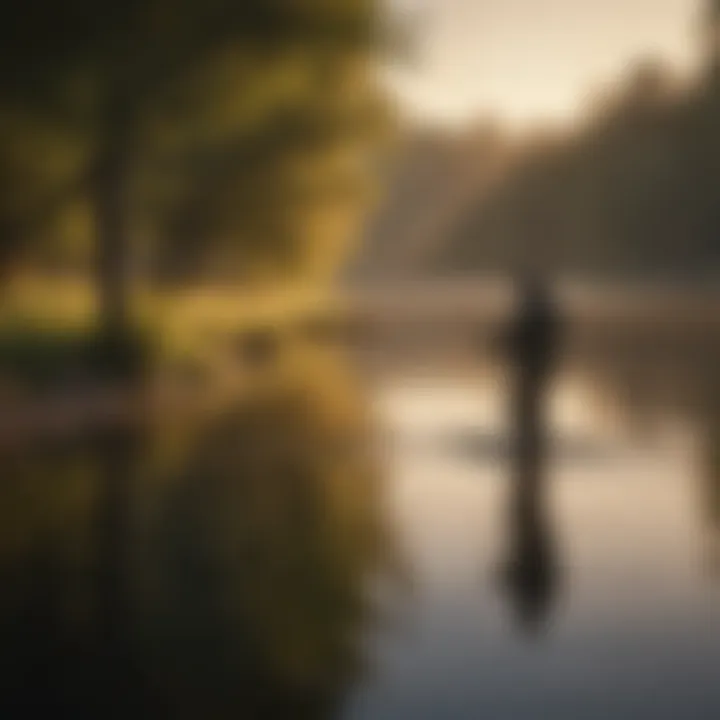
185, 138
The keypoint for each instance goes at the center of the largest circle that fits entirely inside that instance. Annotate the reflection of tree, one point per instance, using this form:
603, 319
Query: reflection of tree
237, 585
62, 615
652, 380
264, 550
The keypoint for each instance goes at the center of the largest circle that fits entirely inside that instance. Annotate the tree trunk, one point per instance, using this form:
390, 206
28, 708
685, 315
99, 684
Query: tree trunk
113, 231
10, 251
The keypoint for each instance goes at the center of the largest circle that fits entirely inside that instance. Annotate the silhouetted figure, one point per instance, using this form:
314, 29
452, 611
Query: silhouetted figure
531, 344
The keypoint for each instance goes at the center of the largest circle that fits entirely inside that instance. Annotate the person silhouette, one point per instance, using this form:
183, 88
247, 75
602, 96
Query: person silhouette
530, 571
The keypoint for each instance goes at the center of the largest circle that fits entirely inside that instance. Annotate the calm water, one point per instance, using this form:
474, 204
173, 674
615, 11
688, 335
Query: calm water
338, 546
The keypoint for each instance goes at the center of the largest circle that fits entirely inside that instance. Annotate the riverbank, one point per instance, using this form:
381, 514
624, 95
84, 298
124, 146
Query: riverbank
59, 376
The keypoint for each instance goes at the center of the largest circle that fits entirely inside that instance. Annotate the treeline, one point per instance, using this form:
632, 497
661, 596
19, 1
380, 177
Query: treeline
433, 177
634, 193
182, 141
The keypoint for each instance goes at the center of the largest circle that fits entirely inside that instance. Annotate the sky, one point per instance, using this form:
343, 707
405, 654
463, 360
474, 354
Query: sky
526, 61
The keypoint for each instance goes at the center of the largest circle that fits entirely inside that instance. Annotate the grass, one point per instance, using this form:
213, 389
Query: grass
49, 340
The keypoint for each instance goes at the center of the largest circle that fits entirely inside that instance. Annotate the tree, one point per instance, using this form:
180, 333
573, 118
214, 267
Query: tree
146, 90
632, 193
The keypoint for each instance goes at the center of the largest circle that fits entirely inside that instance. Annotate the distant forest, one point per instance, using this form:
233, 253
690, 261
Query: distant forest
632, 192
636, 192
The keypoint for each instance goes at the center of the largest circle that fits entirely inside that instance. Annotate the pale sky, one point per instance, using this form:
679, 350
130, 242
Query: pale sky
530, 60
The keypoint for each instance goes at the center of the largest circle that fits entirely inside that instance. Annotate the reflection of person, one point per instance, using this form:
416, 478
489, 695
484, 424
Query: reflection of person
530, 346
711, 481
530, 573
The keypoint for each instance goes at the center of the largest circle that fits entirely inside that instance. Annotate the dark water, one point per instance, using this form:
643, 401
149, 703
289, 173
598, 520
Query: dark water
337, 547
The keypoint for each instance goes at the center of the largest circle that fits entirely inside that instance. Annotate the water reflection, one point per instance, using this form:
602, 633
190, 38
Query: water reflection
229, 564
531, 572
710, 449
660, 375
222, 572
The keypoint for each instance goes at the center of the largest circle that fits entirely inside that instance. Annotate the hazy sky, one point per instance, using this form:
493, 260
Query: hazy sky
531, 59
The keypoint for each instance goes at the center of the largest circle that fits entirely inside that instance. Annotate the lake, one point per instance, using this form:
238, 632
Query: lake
340, 545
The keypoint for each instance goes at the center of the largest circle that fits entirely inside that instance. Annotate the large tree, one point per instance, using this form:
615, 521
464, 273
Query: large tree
175, 114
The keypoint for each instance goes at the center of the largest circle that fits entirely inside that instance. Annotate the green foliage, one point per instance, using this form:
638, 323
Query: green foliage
43, 357
46, 358
185, 139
